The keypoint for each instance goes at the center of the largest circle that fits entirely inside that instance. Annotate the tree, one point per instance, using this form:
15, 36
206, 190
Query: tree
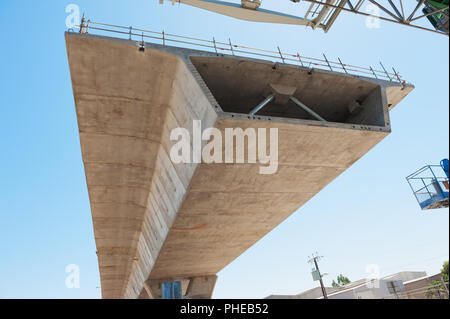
444, 272
341, 281
434, 290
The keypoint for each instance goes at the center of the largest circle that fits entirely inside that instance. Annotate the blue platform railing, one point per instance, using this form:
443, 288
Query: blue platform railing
430, 185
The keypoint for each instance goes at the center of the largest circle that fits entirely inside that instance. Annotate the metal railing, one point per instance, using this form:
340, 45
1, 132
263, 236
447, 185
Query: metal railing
230, 48
429, 184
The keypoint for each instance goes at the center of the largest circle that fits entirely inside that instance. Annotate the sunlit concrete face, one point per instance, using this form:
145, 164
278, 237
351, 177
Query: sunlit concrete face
155, 220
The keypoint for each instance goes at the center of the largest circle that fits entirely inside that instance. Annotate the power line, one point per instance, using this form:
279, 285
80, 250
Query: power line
416, 263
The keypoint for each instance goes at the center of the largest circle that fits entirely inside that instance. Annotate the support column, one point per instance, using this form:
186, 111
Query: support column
172, 290
201, 287
153, 289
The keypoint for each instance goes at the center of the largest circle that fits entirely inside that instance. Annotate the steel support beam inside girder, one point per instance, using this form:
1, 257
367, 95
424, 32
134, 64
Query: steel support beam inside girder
262, 104
307, 109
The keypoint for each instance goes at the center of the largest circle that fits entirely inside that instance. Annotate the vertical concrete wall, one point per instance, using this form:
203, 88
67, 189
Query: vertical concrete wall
374, 110
127, 103
170, 181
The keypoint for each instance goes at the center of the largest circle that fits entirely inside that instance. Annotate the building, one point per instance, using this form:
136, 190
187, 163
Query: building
402, 285
418, 288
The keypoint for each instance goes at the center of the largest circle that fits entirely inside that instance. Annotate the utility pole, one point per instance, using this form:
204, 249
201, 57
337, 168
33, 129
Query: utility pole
317, 275
394, 290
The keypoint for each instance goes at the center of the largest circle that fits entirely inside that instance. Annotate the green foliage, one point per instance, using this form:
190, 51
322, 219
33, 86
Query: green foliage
434, 290
444, 271
341, 281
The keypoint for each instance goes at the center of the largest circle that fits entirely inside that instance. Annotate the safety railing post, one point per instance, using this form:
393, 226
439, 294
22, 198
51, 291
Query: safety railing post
426, 187
231, 46
414, 192
385, 71
215, 46
374, 74
432, 172
398, 77
329, 65
281, 55
343, 66
82, 25
300, 59
142, 45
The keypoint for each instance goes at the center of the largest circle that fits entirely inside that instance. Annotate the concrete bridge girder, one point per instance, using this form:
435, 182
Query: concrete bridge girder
155, 220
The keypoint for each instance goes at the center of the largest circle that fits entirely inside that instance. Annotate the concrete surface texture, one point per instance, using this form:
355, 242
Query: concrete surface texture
157, 221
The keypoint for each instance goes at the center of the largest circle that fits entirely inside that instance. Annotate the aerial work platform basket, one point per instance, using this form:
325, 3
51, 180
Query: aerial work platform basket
430, 185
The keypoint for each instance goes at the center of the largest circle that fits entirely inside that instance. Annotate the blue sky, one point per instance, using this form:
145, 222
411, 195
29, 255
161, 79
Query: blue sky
366, 216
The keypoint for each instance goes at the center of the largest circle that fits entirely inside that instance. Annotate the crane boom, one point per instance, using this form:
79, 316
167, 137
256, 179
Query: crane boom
241, 12
322, 14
